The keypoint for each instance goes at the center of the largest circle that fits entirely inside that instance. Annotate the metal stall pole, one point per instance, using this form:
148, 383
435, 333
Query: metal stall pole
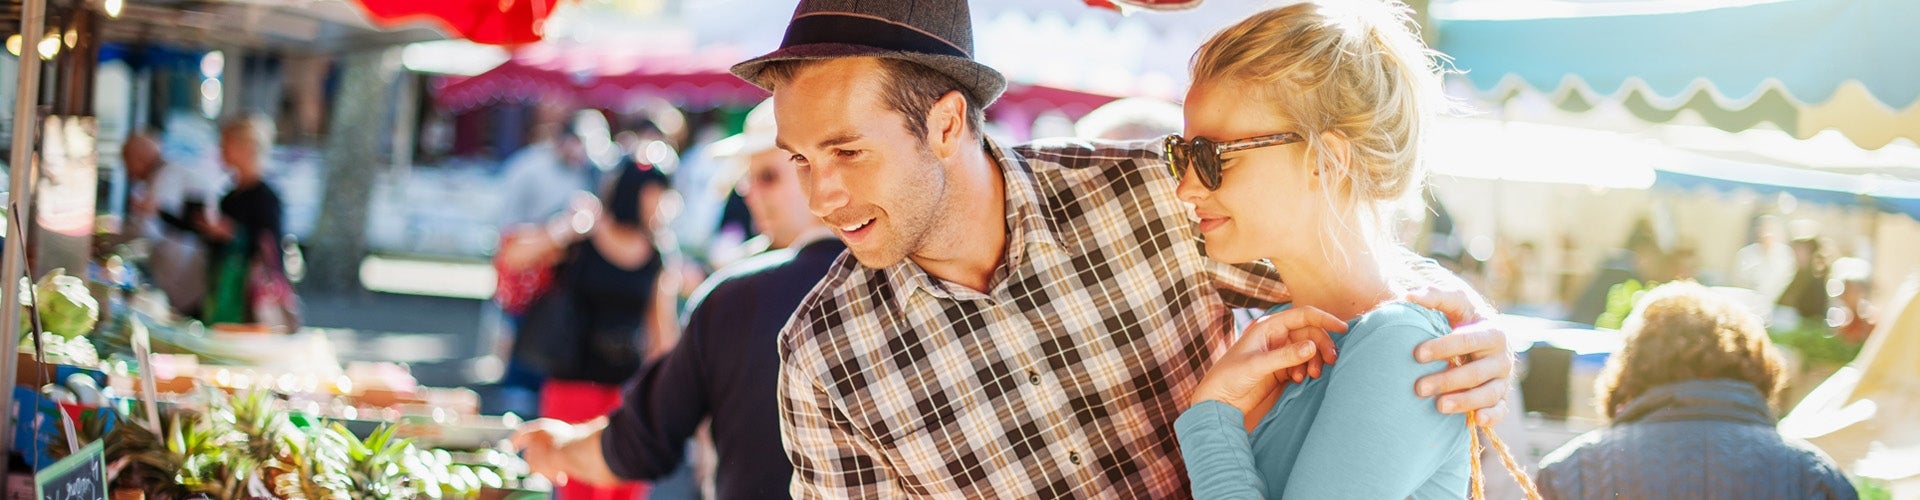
33, 14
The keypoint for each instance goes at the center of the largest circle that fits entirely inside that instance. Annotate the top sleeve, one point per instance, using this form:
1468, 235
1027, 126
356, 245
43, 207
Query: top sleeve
646, 436
1218, 451
1373, 437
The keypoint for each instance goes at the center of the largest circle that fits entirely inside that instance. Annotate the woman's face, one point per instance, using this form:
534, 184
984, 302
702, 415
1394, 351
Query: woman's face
1270, 203
238, 153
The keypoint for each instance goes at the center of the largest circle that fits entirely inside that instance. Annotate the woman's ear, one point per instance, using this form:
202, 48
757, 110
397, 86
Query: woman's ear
1339, 152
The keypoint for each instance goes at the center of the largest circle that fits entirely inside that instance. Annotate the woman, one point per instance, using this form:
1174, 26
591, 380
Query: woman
1691, 397
605, 313
249, 283
1301, 130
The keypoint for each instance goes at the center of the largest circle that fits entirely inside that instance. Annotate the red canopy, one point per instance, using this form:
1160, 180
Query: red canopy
618, 76
495, 22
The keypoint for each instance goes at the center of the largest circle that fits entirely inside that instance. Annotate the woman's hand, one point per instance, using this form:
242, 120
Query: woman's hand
1257, 363
527, 247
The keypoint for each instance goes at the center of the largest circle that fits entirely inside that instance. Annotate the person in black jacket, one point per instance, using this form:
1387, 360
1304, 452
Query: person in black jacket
725, 366
1690, 397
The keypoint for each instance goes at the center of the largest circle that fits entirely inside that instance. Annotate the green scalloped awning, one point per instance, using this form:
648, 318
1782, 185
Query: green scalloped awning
1801, 65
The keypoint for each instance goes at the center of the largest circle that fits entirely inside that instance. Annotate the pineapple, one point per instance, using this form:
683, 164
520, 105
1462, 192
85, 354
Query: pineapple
312, 465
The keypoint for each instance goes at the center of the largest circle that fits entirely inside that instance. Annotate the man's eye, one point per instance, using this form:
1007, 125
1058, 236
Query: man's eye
846, 153
797, 159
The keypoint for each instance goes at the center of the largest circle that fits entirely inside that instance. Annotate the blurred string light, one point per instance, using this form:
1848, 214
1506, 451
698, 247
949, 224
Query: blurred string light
72, 38
49, 46
13, 45
113, 8
212, 66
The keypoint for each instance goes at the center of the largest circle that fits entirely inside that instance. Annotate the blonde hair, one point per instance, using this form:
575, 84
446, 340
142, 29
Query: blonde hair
1357, 70
1683, 331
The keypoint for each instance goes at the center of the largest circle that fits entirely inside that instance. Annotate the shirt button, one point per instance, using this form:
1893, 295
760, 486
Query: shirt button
1033, 377
1074, 457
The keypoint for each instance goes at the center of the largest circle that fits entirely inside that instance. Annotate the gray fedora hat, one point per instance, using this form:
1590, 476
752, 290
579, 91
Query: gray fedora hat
937, 34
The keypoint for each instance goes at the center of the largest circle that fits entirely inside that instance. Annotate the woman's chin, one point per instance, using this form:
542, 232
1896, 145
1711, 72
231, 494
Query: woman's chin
1227, 254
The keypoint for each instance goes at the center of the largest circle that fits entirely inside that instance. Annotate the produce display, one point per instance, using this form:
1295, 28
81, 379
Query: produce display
238, 415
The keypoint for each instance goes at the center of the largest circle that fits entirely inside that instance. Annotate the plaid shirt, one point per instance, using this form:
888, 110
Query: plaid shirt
1063, 380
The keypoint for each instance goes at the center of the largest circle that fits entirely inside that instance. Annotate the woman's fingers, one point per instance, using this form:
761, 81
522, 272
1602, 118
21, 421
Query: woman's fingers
1286, 357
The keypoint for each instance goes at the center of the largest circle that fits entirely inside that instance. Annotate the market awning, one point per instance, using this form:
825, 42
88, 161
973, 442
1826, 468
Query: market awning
497, 22
1803, 65
1660, 159
619, 76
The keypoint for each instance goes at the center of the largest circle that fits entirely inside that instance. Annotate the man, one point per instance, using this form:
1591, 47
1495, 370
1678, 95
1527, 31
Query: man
1014, 322
155, 193
725, 365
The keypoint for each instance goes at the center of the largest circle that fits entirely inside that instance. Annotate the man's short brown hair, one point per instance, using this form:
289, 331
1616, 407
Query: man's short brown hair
910, 89
1683, 331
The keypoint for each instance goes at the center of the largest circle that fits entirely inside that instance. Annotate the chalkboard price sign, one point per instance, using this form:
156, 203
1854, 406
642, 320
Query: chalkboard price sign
80, 476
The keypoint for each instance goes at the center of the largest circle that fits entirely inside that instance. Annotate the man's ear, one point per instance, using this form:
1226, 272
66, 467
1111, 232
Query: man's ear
947, 123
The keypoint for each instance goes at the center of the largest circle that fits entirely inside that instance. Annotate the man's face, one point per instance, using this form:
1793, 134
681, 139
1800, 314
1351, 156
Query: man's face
572, 152
141, 156
772, 192
876, 185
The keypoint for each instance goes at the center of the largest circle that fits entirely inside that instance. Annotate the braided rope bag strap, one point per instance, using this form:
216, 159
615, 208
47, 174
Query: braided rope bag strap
1479, 480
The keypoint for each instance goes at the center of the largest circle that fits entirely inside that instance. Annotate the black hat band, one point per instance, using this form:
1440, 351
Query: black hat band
858, 30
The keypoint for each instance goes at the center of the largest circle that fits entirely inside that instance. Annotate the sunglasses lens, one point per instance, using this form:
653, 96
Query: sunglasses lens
1205, 162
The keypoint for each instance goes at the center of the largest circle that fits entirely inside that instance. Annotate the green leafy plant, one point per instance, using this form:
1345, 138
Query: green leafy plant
1816, 343
66, 306
1620, 300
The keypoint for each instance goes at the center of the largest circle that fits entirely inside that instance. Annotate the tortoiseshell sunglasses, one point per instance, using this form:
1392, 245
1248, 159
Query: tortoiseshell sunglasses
1203, 155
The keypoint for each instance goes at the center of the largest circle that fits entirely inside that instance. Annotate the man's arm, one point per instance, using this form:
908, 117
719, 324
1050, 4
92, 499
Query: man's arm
645, 438
828, 461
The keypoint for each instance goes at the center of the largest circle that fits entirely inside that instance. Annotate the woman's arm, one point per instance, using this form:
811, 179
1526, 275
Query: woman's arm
1373, 437
1213, 432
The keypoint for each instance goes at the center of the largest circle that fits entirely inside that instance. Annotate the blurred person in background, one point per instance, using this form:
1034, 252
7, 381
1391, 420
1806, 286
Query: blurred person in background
1691, 399
1856, 317
607, 311
177, 260
1640, 261
247, 230
1767, 265
1130, 119
725, 367
548, 189
1806, 295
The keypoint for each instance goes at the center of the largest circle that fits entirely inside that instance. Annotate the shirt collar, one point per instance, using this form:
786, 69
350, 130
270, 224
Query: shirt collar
1026, 221
1026, 210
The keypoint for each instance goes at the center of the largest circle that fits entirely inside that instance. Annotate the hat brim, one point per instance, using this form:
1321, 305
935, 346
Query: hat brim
983, 83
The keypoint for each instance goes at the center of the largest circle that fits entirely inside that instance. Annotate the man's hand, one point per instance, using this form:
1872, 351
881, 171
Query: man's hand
565, 452
218, 229
541, 442
1481, 371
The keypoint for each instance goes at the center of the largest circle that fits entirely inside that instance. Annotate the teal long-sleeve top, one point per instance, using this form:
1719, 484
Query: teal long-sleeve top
1356, 432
